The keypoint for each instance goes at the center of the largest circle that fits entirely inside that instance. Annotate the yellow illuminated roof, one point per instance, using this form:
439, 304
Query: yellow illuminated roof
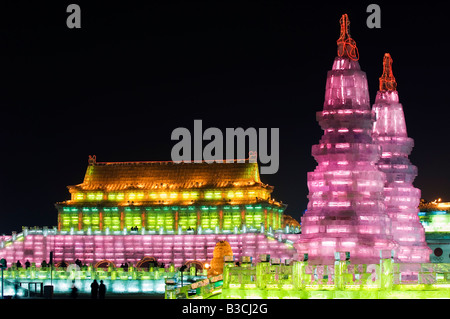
112, 176
433, 205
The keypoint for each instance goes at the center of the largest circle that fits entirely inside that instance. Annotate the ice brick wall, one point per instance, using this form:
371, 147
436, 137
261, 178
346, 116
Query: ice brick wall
118, 249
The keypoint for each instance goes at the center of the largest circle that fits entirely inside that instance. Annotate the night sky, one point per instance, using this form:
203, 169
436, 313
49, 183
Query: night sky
133, 73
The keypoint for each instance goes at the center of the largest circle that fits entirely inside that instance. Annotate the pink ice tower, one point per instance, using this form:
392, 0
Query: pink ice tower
346, 211
401, 197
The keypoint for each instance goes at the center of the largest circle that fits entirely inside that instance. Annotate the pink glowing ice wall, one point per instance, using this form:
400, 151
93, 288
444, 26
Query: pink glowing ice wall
401, 197
346, 212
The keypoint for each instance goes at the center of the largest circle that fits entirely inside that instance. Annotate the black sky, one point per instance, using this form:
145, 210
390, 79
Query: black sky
118, 86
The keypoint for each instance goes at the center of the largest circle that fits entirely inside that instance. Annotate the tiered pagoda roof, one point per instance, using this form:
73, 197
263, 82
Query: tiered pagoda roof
116, 176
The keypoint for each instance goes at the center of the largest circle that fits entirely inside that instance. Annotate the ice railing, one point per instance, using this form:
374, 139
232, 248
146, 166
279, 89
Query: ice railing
34, 272
6, 240
282, 234
202, 289
300, 275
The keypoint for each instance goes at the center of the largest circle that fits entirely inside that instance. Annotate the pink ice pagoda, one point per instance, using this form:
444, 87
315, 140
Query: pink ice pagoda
346, 211
401, 197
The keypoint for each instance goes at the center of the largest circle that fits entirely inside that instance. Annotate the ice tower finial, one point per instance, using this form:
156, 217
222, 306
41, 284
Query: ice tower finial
346, 45
387, 80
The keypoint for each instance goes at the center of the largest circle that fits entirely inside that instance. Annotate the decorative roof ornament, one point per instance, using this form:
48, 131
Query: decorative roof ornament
92, 159
346, 45
253, 157
387, 80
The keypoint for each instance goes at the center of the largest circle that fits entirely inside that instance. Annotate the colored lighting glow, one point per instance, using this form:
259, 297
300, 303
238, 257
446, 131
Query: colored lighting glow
338, 196
172, 196
383, 280
443, 205
172, 232
435, 222
387, 80
400, 195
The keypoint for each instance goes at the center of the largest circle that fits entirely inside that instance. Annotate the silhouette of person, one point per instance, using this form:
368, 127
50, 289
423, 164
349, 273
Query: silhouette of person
101, 290
74, 291
94, 289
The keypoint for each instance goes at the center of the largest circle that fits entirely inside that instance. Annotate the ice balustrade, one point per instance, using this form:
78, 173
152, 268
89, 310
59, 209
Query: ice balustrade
205, 288
341, 276
300, 279
4, 239
90, 272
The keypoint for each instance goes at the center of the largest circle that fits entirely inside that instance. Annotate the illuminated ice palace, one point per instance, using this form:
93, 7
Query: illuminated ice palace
136, 225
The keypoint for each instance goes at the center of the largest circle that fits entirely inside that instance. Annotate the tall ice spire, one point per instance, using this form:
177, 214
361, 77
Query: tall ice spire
401, 197
346, 211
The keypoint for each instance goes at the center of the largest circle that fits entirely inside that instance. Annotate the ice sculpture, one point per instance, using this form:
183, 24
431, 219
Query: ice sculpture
221, 250
401, 197
346, 212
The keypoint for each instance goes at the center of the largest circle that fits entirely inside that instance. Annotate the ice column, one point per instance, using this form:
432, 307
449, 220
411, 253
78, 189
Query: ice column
401, 197
346, 211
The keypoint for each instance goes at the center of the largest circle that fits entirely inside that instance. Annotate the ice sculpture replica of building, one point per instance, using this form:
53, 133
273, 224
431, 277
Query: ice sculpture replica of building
401, 197
128, 212
346, 211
